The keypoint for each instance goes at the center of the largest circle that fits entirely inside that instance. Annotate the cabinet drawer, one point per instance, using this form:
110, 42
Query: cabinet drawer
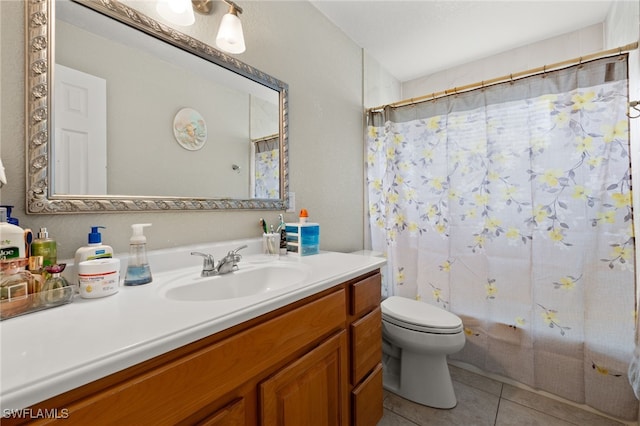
365, 295
367, 400
366, 341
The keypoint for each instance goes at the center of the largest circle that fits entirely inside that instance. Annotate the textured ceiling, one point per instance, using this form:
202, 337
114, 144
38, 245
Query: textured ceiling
416, 38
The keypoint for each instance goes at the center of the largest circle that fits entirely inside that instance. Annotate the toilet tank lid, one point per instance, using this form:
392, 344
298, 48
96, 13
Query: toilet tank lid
419, 313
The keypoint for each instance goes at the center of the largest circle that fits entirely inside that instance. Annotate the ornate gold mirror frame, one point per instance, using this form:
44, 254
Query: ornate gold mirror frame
39, 68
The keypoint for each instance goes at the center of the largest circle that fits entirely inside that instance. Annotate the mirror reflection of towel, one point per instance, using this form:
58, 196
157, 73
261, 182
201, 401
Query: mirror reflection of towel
634, 372
3, 177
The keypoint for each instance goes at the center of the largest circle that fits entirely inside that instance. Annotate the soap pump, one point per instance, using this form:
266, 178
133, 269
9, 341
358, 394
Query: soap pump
138, 271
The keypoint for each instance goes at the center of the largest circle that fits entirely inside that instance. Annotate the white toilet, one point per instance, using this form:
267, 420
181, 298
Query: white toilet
416, 339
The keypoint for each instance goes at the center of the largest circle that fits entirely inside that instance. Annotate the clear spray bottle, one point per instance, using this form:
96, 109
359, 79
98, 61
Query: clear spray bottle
138, 271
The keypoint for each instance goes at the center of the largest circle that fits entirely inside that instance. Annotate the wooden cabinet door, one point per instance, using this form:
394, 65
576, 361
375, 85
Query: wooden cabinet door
312, 391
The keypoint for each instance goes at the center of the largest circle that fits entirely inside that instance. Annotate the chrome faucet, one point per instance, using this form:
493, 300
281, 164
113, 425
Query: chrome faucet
209, 265
227, 264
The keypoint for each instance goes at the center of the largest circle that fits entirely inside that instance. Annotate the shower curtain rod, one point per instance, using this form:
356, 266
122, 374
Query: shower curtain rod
265, 138
510, 77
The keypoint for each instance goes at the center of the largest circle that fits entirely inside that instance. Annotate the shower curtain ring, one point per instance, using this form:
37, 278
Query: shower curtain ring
634, 105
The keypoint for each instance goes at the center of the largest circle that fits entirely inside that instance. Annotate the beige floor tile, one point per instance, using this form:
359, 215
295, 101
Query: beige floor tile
475, 407
483, 401
555, 408
477, 381
512, 414
392, 419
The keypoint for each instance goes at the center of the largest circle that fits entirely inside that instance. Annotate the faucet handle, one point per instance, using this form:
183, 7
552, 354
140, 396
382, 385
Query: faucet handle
238, 249
209, 265
235, 255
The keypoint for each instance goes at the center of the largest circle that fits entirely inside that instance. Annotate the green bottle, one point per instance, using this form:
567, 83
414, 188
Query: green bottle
45, 247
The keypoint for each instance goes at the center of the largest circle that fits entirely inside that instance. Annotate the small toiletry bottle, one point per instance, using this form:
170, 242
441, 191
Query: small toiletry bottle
12, 244
56, 289
37, 270
45, 247
304, 216
93, 250
11, 220
138, 271
15, 286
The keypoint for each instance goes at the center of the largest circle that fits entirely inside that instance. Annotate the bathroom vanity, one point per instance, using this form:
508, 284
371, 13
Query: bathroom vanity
308, 353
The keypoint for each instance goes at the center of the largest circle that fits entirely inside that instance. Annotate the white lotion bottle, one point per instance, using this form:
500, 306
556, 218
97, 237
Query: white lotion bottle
12, 244
138, 271
93, 250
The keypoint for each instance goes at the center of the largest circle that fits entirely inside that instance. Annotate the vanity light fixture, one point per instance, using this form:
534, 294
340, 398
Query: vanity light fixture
230, 37
180, 12
177, 12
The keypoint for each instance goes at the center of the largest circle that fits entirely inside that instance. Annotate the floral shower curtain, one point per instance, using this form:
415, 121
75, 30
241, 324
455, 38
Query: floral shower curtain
267, 168
510, 206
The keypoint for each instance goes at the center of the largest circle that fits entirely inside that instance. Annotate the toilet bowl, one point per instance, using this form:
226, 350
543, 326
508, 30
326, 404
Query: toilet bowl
416, 339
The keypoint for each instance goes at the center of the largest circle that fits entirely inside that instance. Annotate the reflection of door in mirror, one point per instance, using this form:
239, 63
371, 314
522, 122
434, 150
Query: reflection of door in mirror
80, 154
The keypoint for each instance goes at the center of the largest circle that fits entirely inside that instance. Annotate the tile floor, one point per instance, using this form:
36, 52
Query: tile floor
484, 401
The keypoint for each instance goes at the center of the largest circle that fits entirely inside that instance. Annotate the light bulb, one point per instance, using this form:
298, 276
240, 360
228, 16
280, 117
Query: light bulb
178, 12
230, 37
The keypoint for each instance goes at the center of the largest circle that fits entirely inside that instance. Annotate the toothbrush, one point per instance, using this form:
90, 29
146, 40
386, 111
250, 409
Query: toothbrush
264, 225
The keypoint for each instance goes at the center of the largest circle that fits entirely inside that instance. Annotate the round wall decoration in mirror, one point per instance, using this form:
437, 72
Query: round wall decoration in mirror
190, 129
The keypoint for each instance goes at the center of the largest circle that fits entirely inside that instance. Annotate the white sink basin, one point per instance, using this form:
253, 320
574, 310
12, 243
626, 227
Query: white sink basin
247, 281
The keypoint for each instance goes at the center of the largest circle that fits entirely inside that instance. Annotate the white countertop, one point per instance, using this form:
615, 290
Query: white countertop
50, 352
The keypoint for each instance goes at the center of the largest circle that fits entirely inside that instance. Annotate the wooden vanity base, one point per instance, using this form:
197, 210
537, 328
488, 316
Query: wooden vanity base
314, 362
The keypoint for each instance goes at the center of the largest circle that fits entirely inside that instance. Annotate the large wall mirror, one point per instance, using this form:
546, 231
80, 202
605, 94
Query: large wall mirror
126, 114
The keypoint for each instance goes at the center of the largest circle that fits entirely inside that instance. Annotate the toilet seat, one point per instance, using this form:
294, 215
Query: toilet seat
419, 316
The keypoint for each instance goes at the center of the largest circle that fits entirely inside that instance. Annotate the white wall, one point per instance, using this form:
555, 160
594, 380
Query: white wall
380, 87
622, 25
291, 41
557, 49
